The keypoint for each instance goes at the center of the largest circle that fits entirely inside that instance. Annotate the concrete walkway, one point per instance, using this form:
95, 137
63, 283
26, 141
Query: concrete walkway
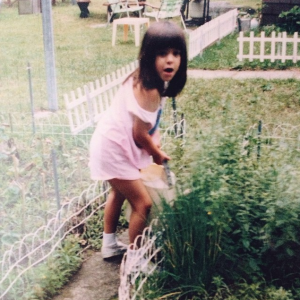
97, 279
271, 74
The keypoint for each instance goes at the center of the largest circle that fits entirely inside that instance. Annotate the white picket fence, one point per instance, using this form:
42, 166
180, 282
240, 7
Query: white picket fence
280, 47
85, 106
211, 32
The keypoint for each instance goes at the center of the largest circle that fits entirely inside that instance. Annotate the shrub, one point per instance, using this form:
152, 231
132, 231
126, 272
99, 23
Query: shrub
290, 20
235, 231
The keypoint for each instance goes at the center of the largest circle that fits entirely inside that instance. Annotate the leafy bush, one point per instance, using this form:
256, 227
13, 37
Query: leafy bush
234, 234
290, 20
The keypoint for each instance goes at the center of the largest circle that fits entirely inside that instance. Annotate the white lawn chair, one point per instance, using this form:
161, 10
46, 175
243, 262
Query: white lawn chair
168, 9
123, 6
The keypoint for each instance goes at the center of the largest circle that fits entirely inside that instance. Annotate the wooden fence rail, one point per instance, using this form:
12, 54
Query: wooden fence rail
280, 47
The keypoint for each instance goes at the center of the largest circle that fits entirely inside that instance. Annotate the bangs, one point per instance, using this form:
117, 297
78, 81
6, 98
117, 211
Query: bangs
174, 41
163, 36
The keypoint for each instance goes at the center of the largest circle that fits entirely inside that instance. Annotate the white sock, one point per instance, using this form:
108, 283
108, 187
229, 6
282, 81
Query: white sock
109, 239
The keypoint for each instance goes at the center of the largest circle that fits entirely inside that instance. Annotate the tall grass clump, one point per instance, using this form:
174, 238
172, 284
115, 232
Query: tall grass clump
234, 233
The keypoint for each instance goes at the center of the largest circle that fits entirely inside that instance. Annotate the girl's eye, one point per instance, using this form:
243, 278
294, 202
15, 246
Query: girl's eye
162, 53
176, 52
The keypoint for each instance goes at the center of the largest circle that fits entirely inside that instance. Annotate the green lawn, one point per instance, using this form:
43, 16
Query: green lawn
83, 52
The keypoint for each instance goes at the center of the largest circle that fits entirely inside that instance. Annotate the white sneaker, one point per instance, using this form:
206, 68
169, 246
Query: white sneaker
112, 250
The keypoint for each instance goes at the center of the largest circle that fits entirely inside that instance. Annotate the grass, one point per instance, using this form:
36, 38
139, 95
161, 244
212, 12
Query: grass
83, 53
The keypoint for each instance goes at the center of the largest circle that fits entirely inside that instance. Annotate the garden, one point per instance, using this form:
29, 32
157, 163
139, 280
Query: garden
233, 231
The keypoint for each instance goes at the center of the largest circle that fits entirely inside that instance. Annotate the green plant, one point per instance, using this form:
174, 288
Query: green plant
290, 20
51, 275
237, 219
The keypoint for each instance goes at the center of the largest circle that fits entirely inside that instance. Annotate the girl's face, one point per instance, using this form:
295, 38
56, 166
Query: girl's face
167, 63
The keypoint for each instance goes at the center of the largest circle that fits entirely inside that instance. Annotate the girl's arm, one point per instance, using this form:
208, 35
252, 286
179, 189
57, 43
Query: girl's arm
144, 140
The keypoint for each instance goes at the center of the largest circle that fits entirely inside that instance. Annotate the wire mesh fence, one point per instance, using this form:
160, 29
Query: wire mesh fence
35, 247
262, 138
44, 168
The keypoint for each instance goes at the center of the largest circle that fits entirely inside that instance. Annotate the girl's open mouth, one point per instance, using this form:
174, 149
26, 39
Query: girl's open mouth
168, 70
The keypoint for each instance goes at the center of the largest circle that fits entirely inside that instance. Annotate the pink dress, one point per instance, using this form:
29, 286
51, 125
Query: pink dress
113, 152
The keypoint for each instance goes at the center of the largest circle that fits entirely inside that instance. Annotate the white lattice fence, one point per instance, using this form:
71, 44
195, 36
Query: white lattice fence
210, 32
36, 247
280, 47
135, 271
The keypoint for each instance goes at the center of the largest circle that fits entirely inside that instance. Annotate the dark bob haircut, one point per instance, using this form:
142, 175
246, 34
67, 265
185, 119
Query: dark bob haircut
161, 36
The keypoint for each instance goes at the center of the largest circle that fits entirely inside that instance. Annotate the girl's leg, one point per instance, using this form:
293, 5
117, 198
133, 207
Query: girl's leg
111, 246
136, 193
112, 210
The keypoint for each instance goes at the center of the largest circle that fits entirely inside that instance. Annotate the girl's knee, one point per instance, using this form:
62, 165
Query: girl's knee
143, 207
148, 206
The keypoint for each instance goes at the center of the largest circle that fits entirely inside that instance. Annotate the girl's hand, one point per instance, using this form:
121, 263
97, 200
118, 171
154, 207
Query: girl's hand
160, 157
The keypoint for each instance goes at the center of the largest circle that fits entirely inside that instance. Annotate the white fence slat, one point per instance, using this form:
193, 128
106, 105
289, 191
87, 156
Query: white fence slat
93, 95
262, 46
76, 112
251, 46
273, 46
283, 53
105, 96
295, 47
90, 109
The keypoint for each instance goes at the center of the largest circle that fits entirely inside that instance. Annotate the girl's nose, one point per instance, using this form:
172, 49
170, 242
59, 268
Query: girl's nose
170, 57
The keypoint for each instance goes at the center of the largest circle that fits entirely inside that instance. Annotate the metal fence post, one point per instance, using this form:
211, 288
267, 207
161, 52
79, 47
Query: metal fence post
49, 55
31, 97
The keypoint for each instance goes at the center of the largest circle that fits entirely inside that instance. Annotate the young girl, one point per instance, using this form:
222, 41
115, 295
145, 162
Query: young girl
126, 138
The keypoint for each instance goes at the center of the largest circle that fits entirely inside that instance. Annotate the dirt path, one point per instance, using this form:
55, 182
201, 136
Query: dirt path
97, 279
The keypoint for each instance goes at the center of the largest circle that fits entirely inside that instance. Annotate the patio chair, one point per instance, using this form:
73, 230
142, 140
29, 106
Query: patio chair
168, 9
121, 7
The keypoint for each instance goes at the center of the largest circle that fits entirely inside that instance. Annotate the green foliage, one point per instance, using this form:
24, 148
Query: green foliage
234, 234
49, 277
290, 20
92, 234
83, 53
